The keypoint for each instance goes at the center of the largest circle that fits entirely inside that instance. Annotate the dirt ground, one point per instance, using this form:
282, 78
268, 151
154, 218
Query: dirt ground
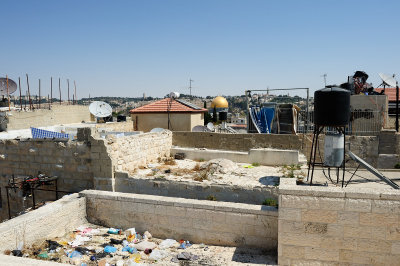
221, 171
226, 172
95, 239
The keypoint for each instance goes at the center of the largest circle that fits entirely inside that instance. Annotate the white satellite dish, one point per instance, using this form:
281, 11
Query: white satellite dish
157, 129
174, 95
200, 129
210, 126
100, 109
12, 86
388, 80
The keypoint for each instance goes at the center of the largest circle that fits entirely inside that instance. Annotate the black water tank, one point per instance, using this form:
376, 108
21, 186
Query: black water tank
223, 116
331, 107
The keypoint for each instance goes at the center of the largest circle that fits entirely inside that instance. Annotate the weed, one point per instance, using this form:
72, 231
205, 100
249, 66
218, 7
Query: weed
199, 160
255, 164
196, 167
397, 166
170, 161
211, 197
270, 202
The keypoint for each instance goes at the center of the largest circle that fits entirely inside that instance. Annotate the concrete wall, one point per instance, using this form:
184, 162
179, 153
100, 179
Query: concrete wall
130, 152
332, 226
53, 220
236, 142
190, 190
209, 222
59, 114
179, 121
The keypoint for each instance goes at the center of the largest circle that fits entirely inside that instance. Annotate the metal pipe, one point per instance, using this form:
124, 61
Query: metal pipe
8, 204
397, 106
20, 94
307, 110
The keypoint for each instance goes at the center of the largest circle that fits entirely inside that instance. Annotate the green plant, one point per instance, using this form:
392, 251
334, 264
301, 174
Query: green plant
255, 164
397, 166
211, 197
270, 202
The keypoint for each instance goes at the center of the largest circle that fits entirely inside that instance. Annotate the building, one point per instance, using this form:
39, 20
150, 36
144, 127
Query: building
391, 94
172, 114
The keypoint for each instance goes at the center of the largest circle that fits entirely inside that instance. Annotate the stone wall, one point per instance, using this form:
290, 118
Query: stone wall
75, 163
331, 226
236, 142
365, 147
59, 114
69, 160
130, 152
53, 220
190, 190
116, 126
209, 222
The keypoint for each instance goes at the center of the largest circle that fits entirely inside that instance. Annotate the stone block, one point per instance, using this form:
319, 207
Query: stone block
386, 206
320, 254
351, 218
378, 219
358, 205
290, 214
322, 216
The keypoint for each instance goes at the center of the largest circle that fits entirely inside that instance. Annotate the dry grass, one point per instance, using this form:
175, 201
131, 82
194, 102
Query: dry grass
182, 171
203, 175
197, 168
170, 161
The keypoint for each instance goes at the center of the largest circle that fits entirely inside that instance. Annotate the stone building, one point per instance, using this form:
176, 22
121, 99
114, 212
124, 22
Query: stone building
172, 114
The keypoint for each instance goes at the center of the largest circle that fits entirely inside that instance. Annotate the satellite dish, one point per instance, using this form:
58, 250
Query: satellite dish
157, 130
200, 129
210, 126
174, 94
12, 86
388, 80
100, 109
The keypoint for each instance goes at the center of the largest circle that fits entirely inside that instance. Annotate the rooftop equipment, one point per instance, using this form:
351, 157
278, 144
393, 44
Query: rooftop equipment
331, 109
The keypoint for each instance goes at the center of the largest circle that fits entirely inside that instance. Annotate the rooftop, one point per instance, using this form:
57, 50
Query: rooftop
168, 105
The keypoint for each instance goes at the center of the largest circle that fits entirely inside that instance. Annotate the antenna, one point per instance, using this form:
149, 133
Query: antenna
190, 86
324, 75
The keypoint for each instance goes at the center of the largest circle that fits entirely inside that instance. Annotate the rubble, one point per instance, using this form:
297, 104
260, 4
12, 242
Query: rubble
110, 246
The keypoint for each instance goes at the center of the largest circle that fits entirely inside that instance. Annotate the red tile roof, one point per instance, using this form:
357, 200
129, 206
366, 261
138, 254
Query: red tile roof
390, 92
163, 105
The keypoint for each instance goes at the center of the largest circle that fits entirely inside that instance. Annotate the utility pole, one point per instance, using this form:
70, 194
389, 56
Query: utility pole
190, 86
324, 75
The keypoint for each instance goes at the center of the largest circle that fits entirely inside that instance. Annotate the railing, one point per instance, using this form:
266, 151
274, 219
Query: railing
362, 123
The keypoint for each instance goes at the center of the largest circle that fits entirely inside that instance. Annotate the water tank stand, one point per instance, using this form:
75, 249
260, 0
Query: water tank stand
313, 154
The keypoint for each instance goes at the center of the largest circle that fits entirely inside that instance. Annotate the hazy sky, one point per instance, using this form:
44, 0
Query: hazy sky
127, 48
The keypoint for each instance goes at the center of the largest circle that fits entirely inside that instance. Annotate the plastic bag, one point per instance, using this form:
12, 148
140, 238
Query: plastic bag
158, 254
167, 243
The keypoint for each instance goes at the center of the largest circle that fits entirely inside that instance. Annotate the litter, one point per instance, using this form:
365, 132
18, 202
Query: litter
187, 256
167, 243
110, 249
17, 253
114, 231
145, 245
43, 255
52, 245
158, 255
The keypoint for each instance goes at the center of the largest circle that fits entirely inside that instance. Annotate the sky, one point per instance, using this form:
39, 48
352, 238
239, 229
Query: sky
127, 48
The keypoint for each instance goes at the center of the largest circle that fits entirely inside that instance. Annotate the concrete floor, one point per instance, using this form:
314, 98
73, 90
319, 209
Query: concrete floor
362, 178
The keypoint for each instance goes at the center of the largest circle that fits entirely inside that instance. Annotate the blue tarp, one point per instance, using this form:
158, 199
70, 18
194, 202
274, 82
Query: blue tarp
263, 118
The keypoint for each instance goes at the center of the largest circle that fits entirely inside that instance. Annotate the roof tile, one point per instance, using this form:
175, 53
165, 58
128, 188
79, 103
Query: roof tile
165, 105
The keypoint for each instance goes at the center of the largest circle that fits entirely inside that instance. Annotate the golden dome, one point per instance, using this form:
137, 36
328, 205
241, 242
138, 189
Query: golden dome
219, 102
